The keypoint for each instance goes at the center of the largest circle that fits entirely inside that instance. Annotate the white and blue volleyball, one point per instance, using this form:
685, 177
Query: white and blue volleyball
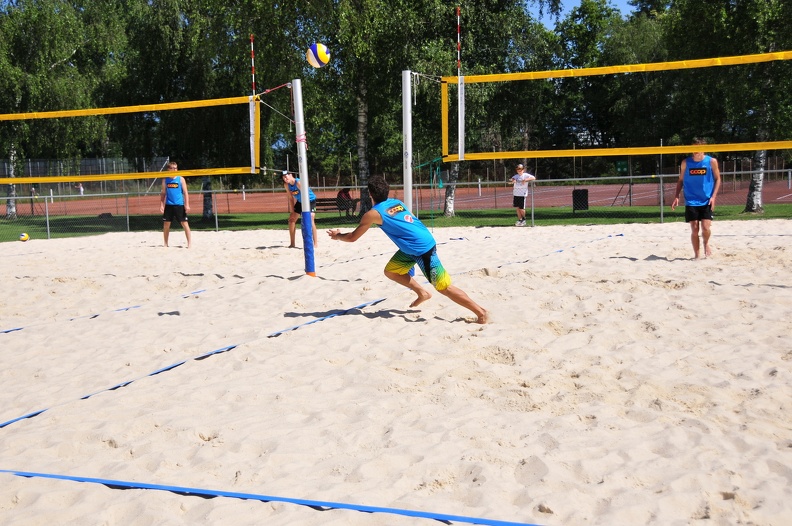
318, 55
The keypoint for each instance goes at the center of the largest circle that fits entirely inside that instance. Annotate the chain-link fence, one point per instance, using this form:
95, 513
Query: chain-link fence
619, 199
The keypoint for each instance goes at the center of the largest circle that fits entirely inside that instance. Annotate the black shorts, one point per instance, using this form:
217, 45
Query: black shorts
519, 201
698, 213
298, 207
176, 212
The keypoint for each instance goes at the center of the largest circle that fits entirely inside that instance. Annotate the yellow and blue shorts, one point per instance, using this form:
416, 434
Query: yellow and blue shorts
403, 263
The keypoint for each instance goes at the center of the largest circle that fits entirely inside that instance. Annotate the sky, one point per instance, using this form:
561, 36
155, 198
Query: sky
568, 5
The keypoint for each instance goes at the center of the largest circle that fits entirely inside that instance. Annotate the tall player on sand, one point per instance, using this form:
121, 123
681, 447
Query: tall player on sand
174, 203
700, 178
416, 246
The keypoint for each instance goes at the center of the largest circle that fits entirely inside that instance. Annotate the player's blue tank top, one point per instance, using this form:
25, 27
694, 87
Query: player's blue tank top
173, 192
295, 191
699, 181
403, 228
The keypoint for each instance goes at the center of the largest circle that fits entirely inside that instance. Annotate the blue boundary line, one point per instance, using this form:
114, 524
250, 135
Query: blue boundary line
96, 315
230, 347
327, 505
187, 295
264, 498
196, 358
323, 318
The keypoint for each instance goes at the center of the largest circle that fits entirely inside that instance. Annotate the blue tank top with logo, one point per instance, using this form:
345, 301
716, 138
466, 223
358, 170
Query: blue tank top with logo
698, 182
295, 191
403, 228
173, 191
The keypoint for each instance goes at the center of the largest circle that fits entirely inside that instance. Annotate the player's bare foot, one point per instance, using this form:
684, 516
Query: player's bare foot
483, 318
422, 296
707, 252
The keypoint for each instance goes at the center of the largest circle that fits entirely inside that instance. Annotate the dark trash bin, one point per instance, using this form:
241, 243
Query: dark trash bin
580, 199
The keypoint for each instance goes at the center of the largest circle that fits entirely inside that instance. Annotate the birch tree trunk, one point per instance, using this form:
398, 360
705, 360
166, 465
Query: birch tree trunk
362, 146
450, 190
753, 203
11, 213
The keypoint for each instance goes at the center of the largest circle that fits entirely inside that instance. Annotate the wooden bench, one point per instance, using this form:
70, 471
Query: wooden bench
330, 204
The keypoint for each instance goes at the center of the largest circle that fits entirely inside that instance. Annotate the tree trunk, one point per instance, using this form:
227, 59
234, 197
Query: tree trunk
362, 146
11, 213
753, 203
450, 190
206, 189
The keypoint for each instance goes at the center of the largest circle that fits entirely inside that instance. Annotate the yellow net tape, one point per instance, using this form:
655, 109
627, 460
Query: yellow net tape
606, 152
605, 70
124, 109
255, 118
628, 68
118, 177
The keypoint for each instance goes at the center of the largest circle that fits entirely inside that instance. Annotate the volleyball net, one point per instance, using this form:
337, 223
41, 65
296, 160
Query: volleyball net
211, 113
462, 82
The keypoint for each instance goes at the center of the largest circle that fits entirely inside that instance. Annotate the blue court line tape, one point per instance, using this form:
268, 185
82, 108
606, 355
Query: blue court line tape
558, 251
196, 358
230, 347
123, 384
92, 316
325, 505
323, 318
193, 293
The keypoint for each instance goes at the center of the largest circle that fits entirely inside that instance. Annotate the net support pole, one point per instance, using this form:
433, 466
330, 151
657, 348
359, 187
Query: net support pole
461, 116
255, 116
302, 162
460, 89
407, 138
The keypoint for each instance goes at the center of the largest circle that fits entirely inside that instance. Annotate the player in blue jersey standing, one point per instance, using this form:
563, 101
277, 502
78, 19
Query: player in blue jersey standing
174, 203
294, 196
700, 178
416, 246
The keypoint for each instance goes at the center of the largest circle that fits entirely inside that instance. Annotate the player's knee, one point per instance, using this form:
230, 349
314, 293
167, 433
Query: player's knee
442, 284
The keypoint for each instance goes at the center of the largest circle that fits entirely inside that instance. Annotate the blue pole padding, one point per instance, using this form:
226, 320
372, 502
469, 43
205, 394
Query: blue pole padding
308, 245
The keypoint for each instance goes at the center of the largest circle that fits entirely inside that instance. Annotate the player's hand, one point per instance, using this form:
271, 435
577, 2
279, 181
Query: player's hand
674, 203
333, 233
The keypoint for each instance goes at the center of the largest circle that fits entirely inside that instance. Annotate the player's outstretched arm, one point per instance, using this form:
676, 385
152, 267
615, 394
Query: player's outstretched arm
372, 217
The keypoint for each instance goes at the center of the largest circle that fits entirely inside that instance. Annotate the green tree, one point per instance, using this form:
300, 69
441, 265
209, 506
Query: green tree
742, 103
55, 55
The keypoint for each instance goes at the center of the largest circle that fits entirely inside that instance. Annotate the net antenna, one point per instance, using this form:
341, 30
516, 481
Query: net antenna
252, 64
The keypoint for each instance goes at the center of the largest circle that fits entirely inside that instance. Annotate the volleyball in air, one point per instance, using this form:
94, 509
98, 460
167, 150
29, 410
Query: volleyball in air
318, 55
23, 236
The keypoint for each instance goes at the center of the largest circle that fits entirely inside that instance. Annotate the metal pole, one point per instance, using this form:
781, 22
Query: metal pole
407, 139
302, 161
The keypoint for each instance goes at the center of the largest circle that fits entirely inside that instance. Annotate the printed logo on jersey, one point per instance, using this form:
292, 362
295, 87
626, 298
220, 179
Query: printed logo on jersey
408, 218
697, 171
173, 185
392, 211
